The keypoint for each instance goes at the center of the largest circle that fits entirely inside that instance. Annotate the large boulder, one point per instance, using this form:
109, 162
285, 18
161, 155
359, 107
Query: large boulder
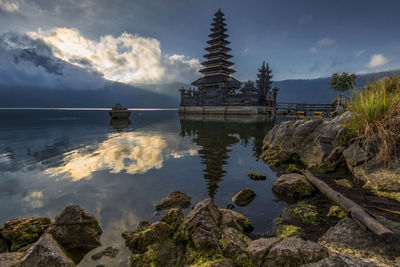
259, 249
10, 259
176, 199
341, 261
208, 236
76, 231
22, 232
347, 238
201, 226
315, 142
45, 252
235, 220
244, 197
292, 185
294, 251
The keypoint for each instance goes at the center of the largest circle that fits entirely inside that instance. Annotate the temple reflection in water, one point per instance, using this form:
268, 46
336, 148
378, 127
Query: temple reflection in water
215, 135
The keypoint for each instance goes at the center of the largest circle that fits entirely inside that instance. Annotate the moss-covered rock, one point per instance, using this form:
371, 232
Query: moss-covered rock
292, 185
244, 197
208, 236
176, 199
285, 230
257, 176
23, 232
307, 213
336, 211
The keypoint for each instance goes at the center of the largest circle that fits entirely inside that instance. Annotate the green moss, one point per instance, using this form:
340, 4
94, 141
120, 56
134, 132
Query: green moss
273, 162
305, 189
336, 211
286, 231
392, 195
307, 213
292, 168
278, 220
344, 182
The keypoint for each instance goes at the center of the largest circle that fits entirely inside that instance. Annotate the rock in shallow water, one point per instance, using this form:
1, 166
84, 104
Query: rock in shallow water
76, 231
292, 185
257, 176
176, 199
244, 197
109, 252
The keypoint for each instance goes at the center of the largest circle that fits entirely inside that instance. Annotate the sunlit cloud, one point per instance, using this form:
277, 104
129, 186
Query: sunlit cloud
34, 199
127, 58
130, 152
8, 7
377, 60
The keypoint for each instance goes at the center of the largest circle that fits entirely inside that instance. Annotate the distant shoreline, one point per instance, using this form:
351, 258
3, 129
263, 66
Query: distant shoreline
91, 109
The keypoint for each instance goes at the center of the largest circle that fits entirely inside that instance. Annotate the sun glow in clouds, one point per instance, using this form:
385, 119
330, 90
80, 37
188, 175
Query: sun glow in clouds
132, 152
127, 58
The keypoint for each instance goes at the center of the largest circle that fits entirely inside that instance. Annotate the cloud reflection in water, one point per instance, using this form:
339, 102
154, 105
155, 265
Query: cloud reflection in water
132, 152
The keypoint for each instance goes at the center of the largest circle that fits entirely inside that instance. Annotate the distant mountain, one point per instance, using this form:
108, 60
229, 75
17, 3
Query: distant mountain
133, 97
314, 91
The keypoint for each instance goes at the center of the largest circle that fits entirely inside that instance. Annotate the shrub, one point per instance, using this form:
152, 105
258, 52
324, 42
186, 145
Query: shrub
376, 117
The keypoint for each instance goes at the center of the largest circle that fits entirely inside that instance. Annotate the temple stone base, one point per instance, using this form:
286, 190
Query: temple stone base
228, 110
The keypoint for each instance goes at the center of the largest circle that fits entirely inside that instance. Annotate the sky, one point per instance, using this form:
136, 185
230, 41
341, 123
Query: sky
81, 44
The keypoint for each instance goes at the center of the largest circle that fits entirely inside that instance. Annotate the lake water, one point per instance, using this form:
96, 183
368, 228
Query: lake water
52, 158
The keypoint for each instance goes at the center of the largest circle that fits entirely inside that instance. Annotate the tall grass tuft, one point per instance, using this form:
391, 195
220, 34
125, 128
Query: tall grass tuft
376, 117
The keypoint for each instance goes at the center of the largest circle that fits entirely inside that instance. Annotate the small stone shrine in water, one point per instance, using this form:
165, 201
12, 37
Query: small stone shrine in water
220, 93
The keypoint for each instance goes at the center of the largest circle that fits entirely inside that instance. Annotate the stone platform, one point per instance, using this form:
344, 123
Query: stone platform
228, 110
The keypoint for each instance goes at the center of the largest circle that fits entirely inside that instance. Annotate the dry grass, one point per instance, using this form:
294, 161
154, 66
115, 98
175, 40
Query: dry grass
376, 118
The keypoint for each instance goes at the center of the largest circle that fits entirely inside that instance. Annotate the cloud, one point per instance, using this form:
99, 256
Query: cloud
316, 66
130, 152
127, 58
377, 60
321, 43
27, 62
8, 7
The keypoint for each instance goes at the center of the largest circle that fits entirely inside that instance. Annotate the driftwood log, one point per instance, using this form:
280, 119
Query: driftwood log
359, 215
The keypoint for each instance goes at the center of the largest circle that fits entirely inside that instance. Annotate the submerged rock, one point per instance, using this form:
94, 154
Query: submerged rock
244, 197
76, 231
108, 252
22, 232
256, 176
176, 199
292, 185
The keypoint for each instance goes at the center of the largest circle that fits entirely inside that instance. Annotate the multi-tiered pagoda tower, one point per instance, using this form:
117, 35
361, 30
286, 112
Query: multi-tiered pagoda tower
217, 81
219, 92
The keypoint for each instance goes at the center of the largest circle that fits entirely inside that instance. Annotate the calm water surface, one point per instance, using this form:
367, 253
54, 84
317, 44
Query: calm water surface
117, 172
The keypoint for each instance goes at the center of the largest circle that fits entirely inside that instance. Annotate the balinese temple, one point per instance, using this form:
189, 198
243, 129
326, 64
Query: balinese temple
217, 91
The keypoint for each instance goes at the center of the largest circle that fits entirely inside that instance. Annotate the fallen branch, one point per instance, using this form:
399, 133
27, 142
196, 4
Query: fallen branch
359, 215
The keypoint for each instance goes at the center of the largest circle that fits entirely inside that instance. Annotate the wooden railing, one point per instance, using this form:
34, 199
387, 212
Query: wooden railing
306, 107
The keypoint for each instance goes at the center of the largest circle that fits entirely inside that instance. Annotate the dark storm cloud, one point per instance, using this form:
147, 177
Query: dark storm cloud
25, 61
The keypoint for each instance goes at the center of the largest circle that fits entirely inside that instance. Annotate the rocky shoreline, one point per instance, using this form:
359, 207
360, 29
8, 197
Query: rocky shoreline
311, 231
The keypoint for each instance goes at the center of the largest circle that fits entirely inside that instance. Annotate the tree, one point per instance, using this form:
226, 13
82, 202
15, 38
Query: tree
264, 82
342, 82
